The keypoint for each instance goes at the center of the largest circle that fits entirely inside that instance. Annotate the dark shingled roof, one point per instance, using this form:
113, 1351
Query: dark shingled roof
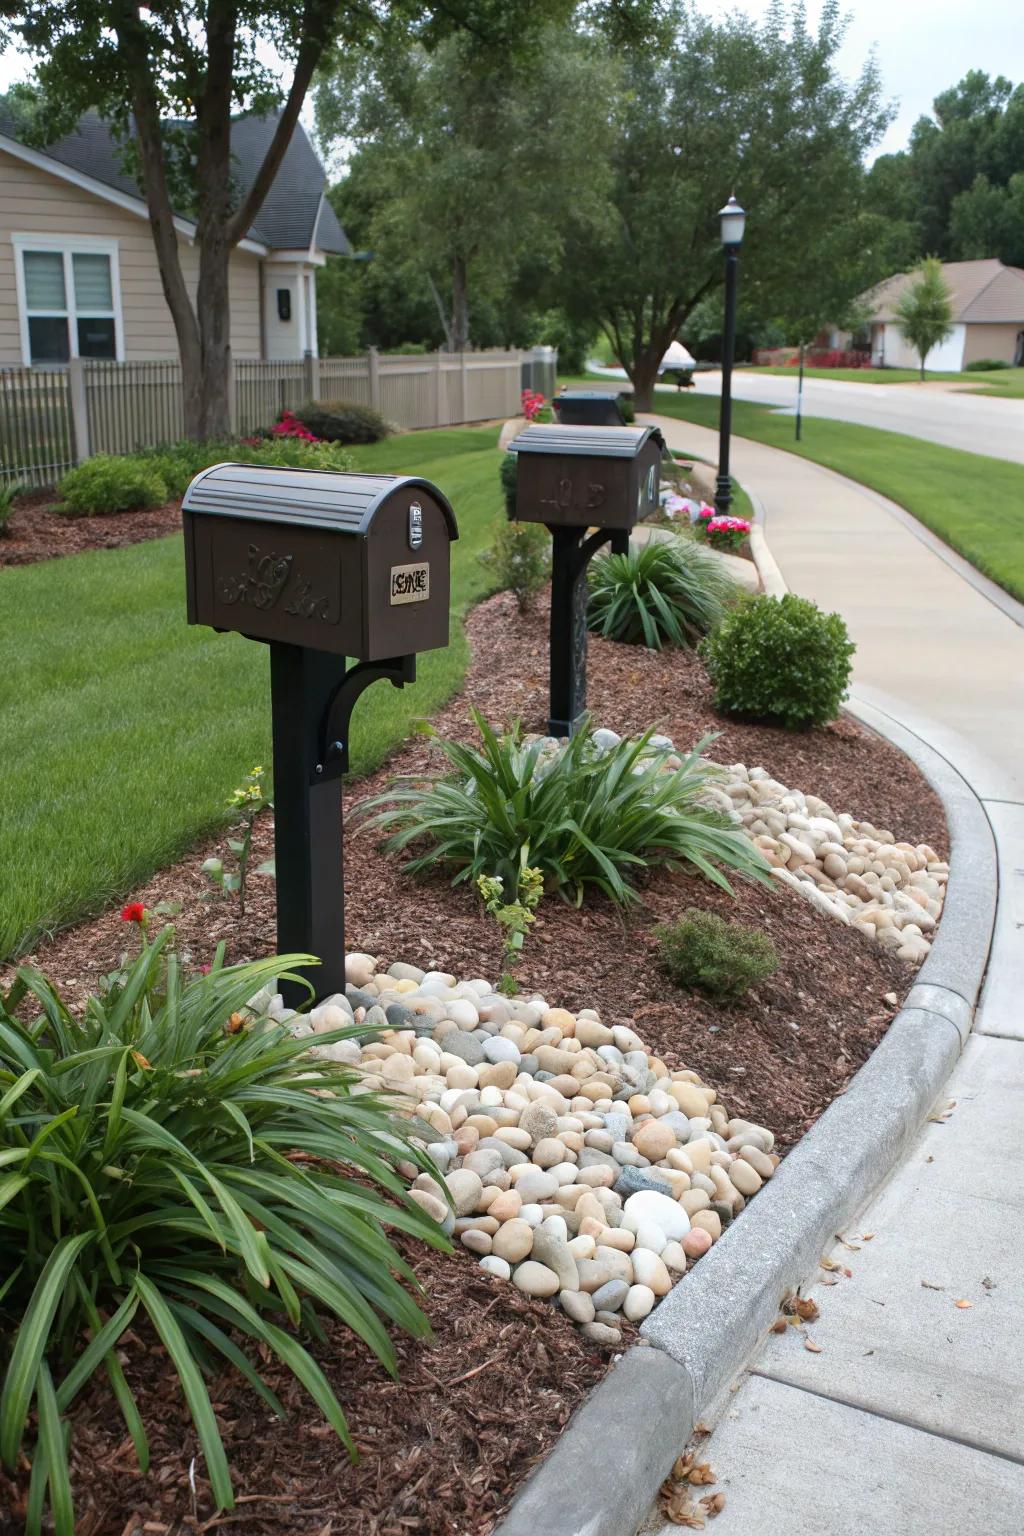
288, 219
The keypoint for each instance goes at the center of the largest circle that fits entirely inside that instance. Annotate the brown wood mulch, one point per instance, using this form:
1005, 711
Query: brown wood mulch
443, 1453
36, 531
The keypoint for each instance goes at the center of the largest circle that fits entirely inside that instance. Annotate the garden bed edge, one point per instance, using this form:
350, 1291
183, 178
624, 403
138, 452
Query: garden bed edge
607, 1465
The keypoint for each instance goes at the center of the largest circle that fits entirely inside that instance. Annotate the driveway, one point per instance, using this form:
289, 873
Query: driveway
940, 414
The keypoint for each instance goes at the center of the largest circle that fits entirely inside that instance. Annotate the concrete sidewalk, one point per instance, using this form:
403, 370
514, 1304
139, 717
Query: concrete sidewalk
911, 1417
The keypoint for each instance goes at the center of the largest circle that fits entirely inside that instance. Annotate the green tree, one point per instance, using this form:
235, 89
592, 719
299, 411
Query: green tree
720, 105
988, 220
473, 168
169, 75
924, 311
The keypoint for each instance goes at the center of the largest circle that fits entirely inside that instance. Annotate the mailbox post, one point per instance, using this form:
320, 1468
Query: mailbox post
323, 567
589, 486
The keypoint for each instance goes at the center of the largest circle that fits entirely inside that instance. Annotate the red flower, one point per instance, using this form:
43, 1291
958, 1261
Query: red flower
134, 912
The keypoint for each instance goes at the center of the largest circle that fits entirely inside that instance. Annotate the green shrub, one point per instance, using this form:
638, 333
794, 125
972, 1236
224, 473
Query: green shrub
781, 660
987, 365
342, 421
508, 474
581, 814
519, 560
627, 405
8, 492
664, 592
109, 483
148, 1173
177, 464
708, 954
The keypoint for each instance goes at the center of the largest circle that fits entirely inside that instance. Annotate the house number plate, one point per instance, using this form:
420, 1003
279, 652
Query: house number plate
410, 583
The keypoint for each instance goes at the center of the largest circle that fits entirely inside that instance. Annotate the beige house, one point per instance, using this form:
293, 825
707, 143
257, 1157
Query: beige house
988, 317
78, 271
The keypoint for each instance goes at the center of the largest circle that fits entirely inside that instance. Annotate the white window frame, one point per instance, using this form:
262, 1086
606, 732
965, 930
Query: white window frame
67, 246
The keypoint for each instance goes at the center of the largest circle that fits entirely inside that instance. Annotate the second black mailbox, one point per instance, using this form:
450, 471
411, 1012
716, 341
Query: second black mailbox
322, 566
589, 486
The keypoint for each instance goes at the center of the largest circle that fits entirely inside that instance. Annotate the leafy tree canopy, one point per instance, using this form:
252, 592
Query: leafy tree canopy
924, 311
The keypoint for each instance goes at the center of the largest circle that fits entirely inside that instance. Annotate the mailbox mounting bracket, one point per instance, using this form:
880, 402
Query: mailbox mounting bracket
332, 760
572, 549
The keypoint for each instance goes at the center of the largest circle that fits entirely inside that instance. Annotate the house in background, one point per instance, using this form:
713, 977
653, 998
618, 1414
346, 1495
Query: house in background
78, 271
988, 318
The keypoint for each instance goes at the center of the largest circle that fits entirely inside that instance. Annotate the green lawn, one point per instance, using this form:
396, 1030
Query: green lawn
1007, 382
973, 502
124, 728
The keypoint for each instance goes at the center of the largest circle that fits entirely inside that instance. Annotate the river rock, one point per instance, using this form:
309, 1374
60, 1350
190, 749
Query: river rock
666, 1213
459, 1042
577, 1305
610, 1296
535, 1279
465, 1188
638, 1303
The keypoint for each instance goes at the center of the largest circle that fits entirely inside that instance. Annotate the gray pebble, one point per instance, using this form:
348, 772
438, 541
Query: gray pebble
607, 1318
611, 1054
360, 999
464, 1045
528, 1063
632, 1180
627, 1156
600, 1333
618, 1126
590, 1157
676, 1121
400, 1017
609, 1297
500, 1049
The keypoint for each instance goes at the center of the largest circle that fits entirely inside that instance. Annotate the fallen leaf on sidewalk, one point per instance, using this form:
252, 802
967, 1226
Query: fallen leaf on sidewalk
714, 1503
853, 1247
867, 1237
929, 1287
702, 1475
678, 1506
989, 1284
963, 1304
681, 1466
942, 1115
780, 1325
806, 1308
827, 1263
815, 1349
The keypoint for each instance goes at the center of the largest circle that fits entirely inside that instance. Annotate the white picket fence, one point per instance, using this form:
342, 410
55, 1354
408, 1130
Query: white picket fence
53, 418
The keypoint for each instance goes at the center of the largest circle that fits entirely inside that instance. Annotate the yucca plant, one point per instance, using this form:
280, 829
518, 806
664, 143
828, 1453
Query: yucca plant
665, 592
148, 1169
582, 816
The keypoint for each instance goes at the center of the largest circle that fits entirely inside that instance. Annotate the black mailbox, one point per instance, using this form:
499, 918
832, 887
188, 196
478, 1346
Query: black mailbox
589, 408
323, 567
589, 486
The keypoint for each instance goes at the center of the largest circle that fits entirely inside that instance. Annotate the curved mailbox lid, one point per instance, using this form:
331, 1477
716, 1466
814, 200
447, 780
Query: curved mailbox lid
326, 499
586, 442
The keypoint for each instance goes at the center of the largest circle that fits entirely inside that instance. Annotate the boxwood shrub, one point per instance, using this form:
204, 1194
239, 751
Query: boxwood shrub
708, 954
343, 421
109, 483
780, 660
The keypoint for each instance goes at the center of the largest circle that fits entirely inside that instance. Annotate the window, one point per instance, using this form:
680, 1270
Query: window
70, 303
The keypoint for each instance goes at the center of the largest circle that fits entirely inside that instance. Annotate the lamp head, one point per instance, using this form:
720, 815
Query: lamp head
732, 218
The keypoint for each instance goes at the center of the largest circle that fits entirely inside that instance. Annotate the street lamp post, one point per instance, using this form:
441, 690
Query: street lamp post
732, 219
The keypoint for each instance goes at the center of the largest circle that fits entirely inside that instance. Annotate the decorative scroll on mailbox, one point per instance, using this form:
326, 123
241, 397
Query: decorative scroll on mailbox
322, 566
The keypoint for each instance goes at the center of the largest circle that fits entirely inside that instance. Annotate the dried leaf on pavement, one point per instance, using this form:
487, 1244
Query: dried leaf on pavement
806, 1308
714, 1503
702, 1475
929, 1287
677, 1505
815, 1349
780, 1325
963, 1304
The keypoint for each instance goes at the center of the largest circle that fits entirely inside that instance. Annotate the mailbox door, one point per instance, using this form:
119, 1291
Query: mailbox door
275, 581
406, 576
572, 490
646, 479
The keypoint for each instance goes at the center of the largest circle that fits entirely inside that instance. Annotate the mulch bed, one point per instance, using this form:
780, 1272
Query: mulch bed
441, 1456
36, 532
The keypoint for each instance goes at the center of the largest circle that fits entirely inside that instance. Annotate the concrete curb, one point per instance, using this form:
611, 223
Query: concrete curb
606, 1467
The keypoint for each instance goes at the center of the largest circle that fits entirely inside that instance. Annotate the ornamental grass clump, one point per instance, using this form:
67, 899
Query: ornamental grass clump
664, 592
709, 954
780, 660
148, 1172
583, 815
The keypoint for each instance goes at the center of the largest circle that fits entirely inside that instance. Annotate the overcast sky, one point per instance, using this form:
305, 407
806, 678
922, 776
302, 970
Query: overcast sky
922, 46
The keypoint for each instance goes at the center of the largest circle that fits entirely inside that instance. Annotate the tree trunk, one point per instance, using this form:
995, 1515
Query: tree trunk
460, 306
211, 395
644, 374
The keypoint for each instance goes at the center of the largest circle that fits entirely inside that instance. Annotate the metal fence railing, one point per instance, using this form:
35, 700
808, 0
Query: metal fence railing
53, 418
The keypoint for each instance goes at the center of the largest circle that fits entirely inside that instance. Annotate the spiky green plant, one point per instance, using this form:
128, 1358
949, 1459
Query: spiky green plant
664, 592
582, 816
147, 1169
